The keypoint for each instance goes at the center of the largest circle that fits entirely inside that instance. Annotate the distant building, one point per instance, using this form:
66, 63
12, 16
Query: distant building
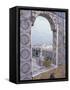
39, 52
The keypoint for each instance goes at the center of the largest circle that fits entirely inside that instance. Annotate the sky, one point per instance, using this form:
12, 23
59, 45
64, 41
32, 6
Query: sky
41, 32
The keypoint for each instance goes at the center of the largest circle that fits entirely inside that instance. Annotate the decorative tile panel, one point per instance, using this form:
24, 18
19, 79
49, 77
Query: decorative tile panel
25, 45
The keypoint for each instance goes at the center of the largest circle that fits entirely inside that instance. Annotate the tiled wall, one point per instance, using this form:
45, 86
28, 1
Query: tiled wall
25, 45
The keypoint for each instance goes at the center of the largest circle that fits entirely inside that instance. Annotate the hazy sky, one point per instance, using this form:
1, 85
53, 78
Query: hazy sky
41, 32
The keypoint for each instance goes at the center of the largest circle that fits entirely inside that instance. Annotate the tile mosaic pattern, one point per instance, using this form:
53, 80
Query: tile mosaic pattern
25, 50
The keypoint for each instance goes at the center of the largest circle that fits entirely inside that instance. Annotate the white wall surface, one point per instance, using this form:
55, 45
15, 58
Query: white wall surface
4, 44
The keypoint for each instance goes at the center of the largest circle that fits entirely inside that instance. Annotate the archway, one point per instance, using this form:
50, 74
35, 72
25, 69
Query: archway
38, 49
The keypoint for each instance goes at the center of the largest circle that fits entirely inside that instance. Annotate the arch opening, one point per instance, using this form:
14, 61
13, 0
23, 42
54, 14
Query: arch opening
42, 45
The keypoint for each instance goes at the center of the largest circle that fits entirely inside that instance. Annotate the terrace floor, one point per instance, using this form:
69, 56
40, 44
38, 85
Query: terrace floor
59, 72
37, 69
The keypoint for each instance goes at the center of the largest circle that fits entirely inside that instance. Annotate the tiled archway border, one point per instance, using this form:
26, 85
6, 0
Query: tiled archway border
53, 23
